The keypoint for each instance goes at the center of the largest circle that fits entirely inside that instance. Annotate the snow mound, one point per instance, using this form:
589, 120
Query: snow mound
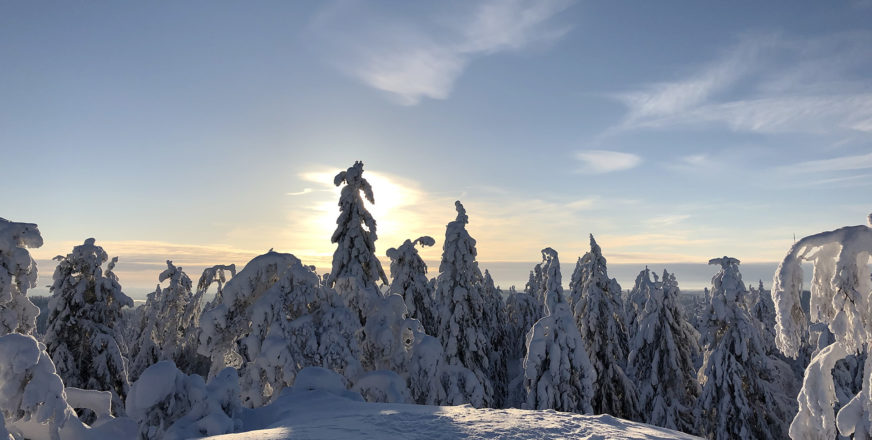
322, 415
322, 379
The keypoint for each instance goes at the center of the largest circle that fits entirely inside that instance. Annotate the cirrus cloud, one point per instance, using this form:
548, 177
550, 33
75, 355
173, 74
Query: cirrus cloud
604, 161
412, 59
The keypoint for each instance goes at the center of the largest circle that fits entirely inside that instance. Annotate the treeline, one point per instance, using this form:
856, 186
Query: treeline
452, 339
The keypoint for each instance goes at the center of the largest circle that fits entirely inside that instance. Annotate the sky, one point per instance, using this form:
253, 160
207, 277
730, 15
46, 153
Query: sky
207, 132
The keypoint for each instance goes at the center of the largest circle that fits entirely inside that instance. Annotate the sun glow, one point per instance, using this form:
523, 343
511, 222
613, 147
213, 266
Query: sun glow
401, 212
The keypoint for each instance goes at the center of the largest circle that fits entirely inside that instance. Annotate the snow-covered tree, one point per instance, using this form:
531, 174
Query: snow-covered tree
215, 275
227, 319
356, 270
762, 309
661, 356
30, 391
841, 298
636, 299
495, 323
557, 370
204, 365
164, 323
596, 304
168, 404
189, 361
522, 311
409, 280
276, 318
535, 288
740, 395
81, 339
461, 306
17, 274
390, 334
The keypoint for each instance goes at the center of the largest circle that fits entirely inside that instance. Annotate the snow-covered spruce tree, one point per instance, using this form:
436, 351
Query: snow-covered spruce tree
85, 306
841, 297
461, 306
522, 311
599, 314
409, 280
661, 356
17, 274
356, 270
557, 370
535, 288
164, 322
636, 299
31, 394
762, 309
168, 404
276, 318
739, 397
495, 321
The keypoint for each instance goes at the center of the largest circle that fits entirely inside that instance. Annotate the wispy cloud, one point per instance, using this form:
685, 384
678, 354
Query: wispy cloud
766, 84
300, 193
583, 204
666, 220
604, 161
844, 163
414, 59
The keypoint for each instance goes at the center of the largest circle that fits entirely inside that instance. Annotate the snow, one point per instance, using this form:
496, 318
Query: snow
168, 404
152, 388
841, 298
98, 401
17, 274
409, 279
31, 393
322, 415
318, 378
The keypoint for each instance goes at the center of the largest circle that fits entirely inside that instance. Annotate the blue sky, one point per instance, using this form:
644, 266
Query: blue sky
209, 132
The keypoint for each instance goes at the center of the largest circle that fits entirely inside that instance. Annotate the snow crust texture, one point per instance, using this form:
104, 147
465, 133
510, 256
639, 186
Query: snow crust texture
322, 415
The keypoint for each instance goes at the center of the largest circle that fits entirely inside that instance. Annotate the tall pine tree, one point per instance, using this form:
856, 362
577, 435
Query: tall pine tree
81, 337
739, 398
461, 306
596, 303
661, 356
356, 270
557, 370
409, 280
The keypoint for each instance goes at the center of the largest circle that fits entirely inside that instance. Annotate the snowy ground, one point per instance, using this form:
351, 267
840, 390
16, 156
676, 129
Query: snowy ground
321, 415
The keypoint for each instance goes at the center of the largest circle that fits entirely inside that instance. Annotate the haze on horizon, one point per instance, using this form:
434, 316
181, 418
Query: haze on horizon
210, 132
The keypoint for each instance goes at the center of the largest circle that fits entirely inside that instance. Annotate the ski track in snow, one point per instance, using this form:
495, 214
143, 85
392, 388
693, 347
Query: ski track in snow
320, 415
